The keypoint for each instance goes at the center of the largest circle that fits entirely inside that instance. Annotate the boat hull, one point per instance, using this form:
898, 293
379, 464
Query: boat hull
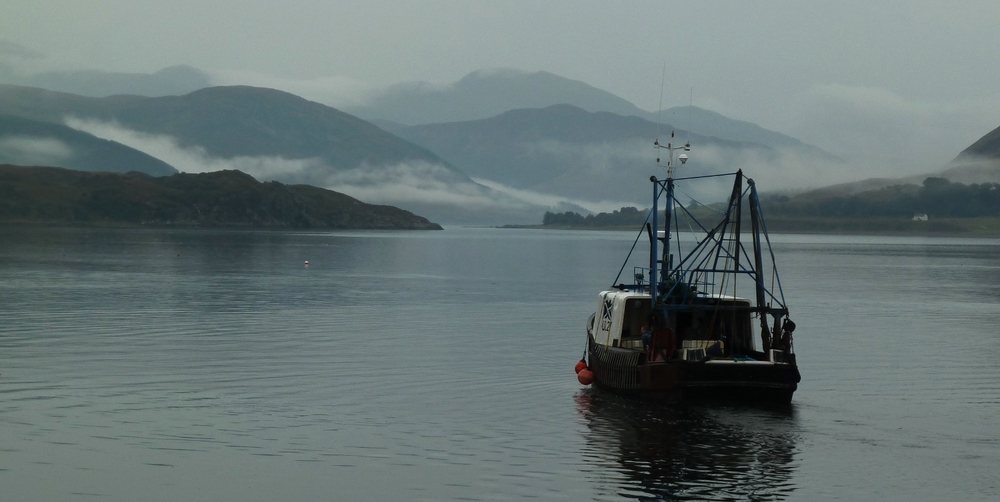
626, 371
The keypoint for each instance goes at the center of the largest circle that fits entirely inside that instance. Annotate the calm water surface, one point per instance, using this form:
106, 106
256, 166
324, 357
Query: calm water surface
192, 365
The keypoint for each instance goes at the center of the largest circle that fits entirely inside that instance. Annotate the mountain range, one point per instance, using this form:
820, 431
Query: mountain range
564, 150
485, 94
173, 80
531, 142
270, 134
228, 122
479, 95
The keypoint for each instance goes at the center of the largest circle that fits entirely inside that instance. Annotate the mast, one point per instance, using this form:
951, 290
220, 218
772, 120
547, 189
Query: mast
668, 207
654, 240
765, 335
665, 261
737, 199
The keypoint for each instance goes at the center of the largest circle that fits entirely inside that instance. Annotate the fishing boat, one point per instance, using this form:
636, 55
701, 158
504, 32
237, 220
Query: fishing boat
681, 330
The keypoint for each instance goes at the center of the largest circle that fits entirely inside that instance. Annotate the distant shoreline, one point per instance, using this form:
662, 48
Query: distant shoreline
115, 225
221, 199
943, 227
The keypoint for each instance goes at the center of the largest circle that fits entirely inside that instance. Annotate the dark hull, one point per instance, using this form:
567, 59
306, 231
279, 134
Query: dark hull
625, 371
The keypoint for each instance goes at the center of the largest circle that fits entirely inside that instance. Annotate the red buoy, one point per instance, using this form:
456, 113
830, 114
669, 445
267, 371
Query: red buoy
585, 376
580, 365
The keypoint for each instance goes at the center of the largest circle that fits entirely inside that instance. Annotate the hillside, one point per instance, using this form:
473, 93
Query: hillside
569, 156
945, 208
274, 135
708, 123
986, 147
30, 142
979, 162
488, 93
230, 121
46, 195
568, 151
233, 121
169, 81
935, 197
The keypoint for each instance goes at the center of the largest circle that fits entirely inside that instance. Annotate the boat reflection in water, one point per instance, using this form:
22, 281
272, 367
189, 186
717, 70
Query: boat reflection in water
688, 452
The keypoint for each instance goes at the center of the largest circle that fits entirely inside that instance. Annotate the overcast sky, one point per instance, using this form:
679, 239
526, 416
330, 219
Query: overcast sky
902, 83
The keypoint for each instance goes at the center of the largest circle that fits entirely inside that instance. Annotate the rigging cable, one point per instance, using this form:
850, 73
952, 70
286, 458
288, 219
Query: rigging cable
633, 249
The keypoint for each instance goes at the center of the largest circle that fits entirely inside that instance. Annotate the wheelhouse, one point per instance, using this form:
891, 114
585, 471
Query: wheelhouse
719, 325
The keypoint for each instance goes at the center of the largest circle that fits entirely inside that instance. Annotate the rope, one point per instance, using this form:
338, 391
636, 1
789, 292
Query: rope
697, 201
650, 213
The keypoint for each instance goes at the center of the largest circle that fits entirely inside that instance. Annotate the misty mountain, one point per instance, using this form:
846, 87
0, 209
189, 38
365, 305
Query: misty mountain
228, 122
10, 51
568, 151
174, 80
988, 146
29, 142
274, 135
16, 61
487, 93
483, 94
978, 163
709, 123
250, 121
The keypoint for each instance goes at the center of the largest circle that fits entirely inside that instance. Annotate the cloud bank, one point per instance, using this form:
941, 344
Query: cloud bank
619, 171
193, 159
33, 151
423, 187
891, 135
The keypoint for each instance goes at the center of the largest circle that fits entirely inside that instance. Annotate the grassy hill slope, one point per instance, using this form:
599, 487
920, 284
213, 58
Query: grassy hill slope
225, 198
32, 142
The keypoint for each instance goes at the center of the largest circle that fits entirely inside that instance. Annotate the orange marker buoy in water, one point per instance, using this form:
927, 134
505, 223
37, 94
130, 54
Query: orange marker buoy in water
580, 366
585, 376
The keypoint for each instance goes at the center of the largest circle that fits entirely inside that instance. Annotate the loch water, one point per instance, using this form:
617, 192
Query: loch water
167, 365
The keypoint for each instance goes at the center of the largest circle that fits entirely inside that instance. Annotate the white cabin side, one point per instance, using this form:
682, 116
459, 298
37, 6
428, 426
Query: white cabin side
620, 316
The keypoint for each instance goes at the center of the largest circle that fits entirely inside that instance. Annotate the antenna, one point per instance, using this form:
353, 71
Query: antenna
670, 151
659, 111
670, 145
690, 112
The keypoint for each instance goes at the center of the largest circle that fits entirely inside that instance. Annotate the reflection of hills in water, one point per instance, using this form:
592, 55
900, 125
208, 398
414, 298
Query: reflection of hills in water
672, 452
